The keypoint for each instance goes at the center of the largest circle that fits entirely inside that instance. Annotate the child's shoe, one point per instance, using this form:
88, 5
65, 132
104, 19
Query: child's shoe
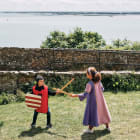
33, 125
88, 131
49, 126
108, 129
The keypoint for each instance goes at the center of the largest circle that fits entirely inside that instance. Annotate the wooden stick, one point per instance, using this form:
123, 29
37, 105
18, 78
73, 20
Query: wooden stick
67, 84
62, 91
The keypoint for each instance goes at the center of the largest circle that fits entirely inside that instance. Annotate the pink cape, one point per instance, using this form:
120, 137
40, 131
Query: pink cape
104, 116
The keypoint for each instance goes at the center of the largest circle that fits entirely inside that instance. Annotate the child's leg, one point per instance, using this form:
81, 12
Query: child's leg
90, 127
34, 117
107, 125
48, 117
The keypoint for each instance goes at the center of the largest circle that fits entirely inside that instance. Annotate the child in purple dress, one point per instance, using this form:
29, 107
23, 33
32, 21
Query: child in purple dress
96, 111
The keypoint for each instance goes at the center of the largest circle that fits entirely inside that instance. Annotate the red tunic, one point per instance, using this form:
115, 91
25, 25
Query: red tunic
44, 99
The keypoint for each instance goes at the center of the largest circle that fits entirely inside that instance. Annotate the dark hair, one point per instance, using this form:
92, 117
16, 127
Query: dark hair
96, 76
39, 77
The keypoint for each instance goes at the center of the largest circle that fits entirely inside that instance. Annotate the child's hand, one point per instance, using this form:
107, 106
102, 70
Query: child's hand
73, 95
57, 91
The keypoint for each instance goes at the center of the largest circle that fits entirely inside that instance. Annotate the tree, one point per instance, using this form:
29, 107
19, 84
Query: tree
76, 39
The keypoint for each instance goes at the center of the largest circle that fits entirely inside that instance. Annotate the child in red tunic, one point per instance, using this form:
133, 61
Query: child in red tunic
42, 90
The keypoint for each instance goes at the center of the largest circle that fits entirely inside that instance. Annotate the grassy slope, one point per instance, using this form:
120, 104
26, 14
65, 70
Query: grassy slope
67, 115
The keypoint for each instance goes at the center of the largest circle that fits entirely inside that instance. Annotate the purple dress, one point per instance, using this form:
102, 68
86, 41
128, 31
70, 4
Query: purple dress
90, 115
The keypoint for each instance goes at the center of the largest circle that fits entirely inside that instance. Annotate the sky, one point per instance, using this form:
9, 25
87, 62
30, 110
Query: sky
69, 5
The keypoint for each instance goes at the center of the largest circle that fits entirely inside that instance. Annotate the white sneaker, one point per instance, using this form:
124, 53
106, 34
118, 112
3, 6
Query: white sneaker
88, 131
108, 129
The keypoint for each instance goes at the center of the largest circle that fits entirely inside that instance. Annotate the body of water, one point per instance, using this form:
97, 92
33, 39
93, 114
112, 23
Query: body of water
28, 30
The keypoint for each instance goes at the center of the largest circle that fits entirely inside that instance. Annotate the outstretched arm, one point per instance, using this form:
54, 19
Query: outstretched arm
74, 95
82, 96
53, 93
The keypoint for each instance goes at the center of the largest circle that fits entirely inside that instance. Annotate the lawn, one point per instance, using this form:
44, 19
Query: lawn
67, 116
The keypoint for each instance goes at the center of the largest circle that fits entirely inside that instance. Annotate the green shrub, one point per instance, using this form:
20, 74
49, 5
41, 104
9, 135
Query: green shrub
121, 82
136, 45
27, 87
20, 96
113, 82
123, 45
4, 99
76, 39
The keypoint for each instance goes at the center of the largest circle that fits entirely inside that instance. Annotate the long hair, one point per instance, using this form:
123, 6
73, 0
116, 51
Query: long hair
96, 76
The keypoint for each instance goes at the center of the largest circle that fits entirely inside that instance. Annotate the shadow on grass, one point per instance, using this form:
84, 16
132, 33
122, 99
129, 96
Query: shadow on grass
1, 124
34, 131
95, 135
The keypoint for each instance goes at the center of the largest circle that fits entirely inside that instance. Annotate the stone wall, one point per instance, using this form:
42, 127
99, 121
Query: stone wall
19, 66
21, 59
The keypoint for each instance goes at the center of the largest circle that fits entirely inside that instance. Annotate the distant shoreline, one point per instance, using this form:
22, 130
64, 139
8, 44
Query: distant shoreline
53, 13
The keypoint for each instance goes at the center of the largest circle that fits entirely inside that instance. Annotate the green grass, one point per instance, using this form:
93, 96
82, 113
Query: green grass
67, 117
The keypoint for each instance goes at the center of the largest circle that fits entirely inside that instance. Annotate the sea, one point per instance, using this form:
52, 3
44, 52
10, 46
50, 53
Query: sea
29, 29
